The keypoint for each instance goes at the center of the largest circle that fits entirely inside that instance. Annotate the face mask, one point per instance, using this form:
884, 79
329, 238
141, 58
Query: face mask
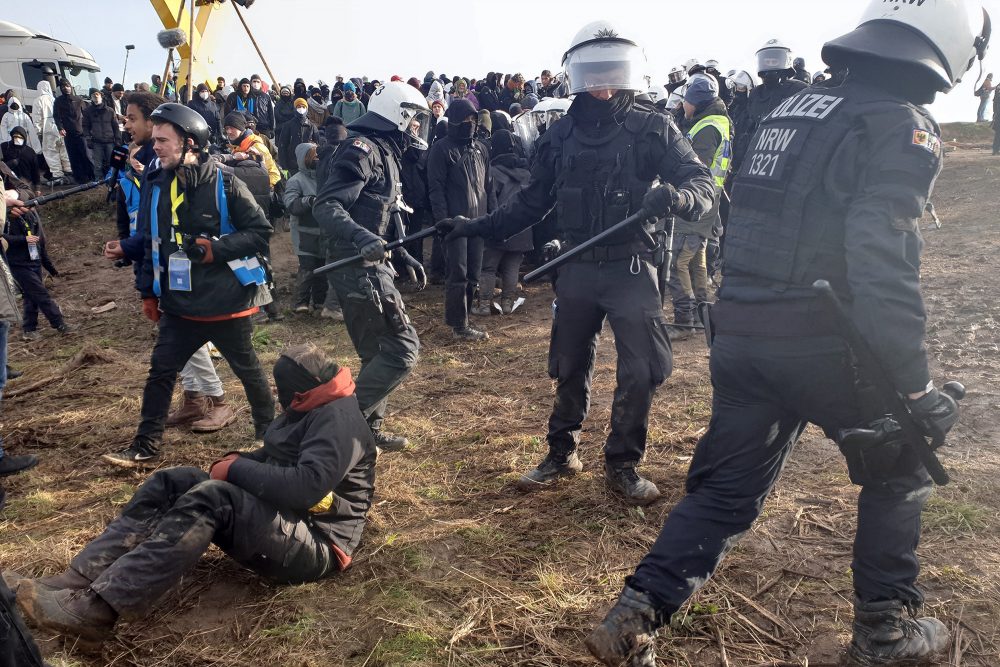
66, 91
203, 95
97, 102
18, 141
349, 96
286, 96
15, 106
301, 111
255, 86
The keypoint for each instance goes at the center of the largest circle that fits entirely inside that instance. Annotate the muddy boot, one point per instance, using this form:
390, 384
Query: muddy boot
195, 406
627, 635
68, 580
552, 467
468, 334
81, 613
623, 479
883, 637
220, 414
481, 307
506, 305
389, 442
675, 333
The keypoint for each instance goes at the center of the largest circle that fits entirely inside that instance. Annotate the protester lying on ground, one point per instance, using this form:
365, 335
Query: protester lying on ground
292, 511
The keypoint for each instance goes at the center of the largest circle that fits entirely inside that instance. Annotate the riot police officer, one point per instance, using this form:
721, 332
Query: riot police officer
832, 188
601, 161
354, 206
774, 67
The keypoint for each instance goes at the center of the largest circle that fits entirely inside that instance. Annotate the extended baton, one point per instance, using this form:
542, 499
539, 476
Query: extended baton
347, 261
576, 251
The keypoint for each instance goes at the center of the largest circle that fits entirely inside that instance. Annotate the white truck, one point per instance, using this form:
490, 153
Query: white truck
27, 57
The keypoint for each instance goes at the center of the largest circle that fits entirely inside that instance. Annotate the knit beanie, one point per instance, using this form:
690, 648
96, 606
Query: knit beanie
300, 103
235, 119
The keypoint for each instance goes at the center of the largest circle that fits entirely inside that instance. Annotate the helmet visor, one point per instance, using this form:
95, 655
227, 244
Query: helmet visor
774, 60
418, 125
675, 77
606, 66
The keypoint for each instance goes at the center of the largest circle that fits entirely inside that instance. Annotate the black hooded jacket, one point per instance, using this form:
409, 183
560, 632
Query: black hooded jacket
458, 177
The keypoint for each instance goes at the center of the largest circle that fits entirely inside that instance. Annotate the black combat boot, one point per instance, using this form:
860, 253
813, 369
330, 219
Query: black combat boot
389, 442
81, 613
623, 479
552, 467
627, 635
882, 636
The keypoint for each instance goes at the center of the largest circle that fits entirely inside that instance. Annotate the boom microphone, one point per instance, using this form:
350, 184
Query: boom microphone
171, 39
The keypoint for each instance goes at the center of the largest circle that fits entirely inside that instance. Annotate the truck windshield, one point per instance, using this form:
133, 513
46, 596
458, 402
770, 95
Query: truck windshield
81, 79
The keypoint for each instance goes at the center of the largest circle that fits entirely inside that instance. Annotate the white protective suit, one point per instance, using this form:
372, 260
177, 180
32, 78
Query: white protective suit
12, 119
53, 146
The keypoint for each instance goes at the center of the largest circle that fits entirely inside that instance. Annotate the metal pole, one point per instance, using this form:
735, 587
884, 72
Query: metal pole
125, 69
190, 77
274, 79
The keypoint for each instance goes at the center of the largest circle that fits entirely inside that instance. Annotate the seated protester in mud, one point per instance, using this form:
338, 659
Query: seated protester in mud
292, 511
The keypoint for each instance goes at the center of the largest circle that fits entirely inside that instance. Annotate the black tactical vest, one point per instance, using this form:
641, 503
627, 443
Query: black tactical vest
372, 209
784, 227
601, 181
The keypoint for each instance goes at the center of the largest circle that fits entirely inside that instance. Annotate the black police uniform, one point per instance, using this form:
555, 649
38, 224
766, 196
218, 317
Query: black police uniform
760, 102
354, 203
832, 188
600, 173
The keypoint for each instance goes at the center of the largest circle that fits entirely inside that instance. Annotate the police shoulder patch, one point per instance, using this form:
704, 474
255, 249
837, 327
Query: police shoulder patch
927, 140
361, 145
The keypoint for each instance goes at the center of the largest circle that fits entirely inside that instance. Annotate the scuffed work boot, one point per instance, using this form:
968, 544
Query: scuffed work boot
882, 636
482, 308
507, 305
388, 442
219, 415
623, 479
552, 467
627, 635
68, 580
194, 406
675, 333
81, 613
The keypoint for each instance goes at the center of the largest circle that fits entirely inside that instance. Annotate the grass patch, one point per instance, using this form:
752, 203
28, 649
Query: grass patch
407, 648
122, 494
36, 505
261, 338
433, 492
483, 535
954, 516
296, 631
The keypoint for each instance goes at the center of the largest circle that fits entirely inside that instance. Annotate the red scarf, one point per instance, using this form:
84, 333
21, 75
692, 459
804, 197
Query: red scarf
340, 386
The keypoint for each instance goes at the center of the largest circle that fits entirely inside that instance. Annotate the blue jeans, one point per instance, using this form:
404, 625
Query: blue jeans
4, 330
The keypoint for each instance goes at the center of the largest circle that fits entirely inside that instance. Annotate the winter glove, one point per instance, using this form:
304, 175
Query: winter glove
660, 202
551, 250
151, 308
220, 469
455, 228
309, 201
199, 250
418, 276
372, 249
935, 411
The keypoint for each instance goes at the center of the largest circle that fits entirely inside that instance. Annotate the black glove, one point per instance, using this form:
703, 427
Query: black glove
414, 268
309, 201
455, 228
935, 411
373, 250
660, 202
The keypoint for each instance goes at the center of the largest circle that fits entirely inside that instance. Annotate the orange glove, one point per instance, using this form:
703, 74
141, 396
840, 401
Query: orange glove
151, 308
220, 469
205, 244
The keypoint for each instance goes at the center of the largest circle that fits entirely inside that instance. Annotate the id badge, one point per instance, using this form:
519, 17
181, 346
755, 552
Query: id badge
179, 271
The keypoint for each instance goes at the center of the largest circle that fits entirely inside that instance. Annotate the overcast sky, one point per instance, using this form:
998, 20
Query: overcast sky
318, 39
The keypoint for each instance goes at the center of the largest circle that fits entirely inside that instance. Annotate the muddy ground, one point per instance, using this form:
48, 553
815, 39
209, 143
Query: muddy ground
456, 567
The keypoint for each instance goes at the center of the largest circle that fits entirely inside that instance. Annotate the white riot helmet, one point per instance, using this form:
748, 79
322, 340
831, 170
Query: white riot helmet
398, 106
600, 58
741, 79
691, 64
774, 57
556, 110
712, 64
676, 75
943, 37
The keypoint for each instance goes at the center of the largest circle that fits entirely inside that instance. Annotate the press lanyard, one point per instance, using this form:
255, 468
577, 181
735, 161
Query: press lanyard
176, 199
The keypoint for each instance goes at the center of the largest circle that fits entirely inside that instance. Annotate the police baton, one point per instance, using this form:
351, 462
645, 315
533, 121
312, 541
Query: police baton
576, 251
871, 369
347, 261
119, 158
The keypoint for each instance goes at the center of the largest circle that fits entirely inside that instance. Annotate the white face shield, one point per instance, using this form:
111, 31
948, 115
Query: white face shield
418, 125
774, 60
606, 65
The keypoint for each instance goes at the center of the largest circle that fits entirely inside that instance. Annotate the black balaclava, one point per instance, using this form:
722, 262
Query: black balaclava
292, 378
589, 110
772, 79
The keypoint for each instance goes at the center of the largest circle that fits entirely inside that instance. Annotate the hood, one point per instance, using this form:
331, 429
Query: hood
17, 129
44, 88
300, 157
14, 100
510, 162
716, 108
436, 92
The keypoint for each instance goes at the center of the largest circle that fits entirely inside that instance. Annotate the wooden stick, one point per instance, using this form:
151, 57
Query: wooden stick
162, 92
190, 76
239, 14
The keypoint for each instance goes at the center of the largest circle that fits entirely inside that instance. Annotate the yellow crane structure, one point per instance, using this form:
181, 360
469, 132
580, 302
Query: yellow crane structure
196, 52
